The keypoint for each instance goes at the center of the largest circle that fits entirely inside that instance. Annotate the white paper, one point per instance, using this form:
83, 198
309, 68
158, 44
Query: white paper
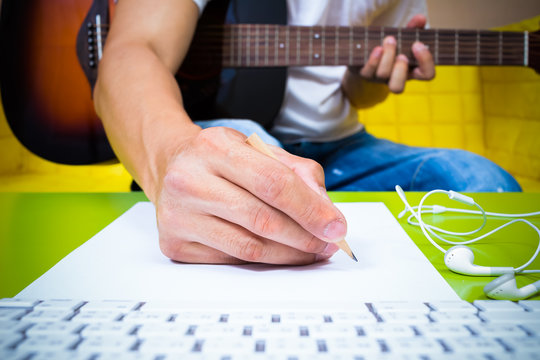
123, 261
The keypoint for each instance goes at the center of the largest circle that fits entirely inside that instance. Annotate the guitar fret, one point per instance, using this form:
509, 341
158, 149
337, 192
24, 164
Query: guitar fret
248, 47
297, 46
257, 43
240, 46
456, 48
399, 42
276, 40
350, 46
232, 46
500, 47
477, 47
436, 46
310, 46
323, 52
336, 46
266, 37
366, 36
526, 48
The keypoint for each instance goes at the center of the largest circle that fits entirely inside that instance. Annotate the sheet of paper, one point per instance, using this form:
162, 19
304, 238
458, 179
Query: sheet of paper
123, 261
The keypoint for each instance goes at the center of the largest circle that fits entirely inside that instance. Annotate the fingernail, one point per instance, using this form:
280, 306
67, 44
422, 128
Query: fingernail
390, 40
335, 230
403, 58
328, 251
418, 46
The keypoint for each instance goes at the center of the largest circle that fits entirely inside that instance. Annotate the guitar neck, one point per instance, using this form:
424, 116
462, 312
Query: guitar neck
263, 45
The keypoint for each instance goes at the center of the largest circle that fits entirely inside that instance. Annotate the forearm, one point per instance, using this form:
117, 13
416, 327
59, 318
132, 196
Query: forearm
362, 93
139, 102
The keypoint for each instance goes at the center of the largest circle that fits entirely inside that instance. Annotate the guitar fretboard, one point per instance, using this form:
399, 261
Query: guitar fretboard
263, 45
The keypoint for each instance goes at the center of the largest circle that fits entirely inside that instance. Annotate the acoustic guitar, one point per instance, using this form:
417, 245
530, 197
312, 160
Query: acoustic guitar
51, 51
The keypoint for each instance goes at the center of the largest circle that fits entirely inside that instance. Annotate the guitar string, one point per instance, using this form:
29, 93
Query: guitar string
468, 48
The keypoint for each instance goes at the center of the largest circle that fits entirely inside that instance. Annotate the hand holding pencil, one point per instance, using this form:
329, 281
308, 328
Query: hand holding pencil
255, 141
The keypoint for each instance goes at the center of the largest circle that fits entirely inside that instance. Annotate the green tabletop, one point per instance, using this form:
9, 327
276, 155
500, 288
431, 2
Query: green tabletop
39, 229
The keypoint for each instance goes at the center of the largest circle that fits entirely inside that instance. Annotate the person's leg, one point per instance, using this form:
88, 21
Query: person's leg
364, 163
246, 127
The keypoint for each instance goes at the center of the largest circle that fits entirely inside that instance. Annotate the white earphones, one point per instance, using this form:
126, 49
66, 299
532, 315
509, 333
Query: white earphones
460, 258
505, 288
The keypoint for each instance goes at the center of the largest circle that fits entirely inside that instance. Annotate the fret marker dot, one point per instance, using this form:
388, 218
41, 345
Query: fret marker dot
316, 56
281, 46
316, 36
358, 46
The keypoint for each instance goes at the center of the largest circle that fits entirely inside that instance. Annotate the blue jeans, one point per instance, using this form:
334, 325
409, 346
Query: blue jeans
362, 162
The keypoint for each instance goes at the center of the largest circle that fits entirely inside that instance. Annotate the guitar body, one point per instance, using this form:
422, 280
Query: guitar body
54, 47
45, 93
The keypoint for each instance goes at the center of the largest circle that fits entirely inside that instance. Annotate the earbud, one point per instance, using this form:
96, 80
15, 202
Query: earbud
505, 288
460, 259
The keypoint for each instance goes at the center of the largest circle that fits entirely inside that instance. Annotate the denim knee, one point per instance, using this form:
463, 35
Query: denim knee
460, 170
245, 126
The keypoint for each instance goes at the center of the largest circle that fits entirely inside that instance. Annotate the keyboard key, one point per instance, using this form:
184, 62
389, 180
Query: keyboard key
382, 330
325, 331
454, 317
58, 328
139, 317
114, 328
9, 340
275, 330
59, 304
131, 355
410, 345
530, 305
112, 305
497, 305
111, 343
96, 316
523, 317
7, 314
453, 306
441, 330
17, 303
12, 326
155, 345
473, 344
359, 345
47, 315
522, 343
404, 317
497, 330
44, 342
164, 329
396, 306
7, 354
300, 345
61, 355
354, 317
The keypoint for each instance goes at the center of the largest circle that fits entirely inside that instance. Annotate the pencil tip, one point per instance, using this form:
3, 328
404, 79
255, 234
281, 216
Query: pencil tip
354, 257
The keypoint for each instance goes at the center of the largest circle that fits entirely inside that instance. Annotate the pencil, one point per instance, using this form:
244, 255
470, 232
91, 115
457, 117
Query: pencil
255, 141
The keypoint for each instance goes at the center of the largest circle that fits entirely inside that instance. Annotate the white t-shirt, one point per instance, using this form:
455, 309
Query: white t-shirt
314, 107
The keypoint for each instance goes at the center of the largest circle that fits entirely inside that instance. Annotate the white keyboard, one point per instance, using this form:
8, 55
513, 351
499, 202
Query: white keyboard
73, 329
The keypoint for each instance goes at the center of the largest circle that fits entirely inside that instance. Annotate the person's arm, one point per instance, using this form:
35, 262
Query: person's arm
386, 71
218, 200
